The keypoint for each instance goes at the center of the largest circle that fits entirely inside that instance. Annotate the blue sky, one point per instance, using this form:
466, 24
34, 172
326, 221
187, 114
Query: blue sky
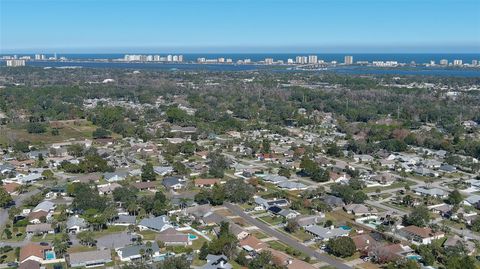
239, 26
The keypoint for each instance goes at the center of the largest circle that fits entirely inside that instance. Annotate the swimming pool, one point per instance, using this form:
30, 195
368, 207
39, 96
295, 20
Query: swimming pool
345, 227
192, 237
414, 257
50, 255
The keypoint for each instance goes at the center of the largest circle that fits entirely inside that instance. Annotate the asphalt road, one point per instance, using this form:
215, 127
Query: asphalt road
286, 239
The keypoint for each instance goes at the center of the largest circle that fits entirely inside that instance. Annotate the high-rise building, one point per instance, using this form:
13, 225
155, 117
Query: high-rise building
474, 62
169, 58
221, 60
180, 58
268, 60
175, 58
15, 63
312, 59
301, 59
457, 62
348, 60
443, 62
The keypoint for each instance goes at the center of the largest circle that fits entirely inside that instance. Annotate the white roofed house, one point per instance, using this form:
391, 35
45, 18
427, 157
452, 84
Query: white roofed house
115, 176
108, 188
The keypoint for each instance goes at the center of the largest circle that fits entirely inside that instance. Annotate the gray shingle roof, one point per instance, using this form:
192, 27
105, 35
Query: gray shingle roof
90, 257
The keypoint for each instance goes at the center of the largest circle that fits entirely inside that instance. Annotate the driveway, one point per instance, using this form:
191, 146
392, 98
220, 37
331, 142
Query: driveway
286, 239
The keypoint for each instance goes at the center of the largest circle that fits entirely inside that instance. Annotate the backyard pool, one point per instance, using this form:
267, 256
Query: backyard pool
414, 257
192, 237
49, 255
345, 227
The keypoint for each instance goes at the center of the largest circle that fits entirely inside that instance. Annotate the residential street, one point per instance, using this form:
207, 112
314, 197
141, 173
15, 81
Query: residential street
286, 239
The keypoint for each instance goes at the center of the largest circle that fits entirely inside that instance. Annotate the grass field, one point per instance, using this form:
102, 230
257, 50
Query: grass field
10, 134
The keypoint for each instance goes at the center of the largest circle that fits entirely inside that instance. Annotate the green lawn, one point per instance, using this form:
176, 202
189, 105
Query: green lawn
271, 220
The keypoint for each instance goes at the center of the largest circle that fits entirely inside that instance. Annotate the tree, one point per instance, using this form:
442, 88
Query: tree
476, 225
237, 191
5, 198
101, 133
341, 246
148, 174
86, 238
217, 164
76, 150
404, 264
266, 146
292, 226
36, 128
420, 216
284, 172
60, 246
455, 198
202, 255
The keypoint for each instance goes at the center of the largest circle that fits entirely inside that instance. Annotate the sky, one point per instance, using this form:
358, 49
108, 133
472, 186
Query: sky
121, 26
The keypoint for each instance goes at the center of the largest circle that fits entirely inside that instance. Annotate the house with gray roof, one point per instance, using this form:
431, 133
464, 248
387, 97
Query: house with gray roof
435, 192
163, 170
75, 224
125, 220
217, 262
46, 206
324, 234
158, 224
292, 185
472, 200
275, 179
175, 183
133, 252
89, 258
115, 176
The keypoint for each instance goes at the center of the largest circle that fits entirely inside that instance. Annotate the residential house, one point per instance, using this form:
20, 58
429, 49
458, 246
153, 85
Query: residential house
11, 188
359, 210
275, 179
419, 235
206, 182
89, 259
217, 262
145, 186
435, 192
472, 200
158, 224
76, 224
37, 229
33, 251
170, 237
125, 220
324, 234
333, 201
38, 217
455, 241
175, 183
292, 186
212, 218
306, 221
133, 252
252, 244
108, 188
363, 242
163, 170
115, 176
46, 206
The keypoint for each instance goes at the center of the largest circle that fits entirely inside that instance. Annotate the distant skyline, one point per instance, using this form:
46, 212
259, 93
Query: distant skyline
248, 26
